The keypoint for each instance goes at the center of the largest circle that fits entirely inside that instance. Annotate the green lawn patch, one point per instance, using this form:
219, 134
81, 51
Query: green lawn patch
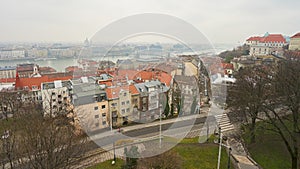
107, 165
194, 156
201, 156
269, 150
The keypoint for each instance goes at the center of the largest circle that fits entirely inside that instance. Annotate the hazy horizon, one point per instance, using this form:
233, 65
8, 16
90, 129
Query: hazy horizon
227, 22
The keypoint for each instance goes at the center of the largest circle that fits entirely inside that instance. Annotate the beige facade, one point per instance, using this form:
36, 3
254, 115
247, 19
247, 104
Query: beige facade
7, 72
120, 108
93, 116
257, 50
295, 44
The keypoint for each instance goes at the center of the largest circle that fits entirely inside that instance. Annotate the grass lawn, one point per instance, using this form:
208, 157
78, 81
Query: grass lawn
194, 155
269, 150
201, 156
107, 165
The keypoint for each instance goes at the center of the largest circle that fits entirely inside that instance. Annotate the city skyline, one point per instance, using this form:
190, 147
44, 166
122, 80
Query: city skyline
72, 21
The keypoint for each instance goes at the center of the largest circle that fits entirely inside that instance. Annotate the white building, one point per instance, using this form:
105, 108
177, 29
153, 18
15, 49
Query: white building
56, 97
268, 44
12, 54
7, 72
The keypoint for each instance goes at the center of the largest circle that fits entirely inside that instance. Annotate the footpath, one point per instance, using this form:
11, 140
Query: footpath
239, 154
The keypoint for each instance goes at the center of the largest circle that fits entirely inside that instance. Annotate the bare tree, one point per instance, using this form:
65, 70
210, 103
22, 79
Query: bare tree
282, 109
38, 141
274, 92
247, 97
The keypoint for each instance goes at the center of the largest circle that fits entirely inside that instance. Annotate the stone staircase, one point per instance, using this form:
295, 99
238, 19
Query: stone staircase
224, 122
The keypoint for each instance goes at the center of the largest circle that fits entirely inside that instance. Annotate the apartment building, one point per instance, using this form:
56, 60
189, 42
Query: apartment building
90, 104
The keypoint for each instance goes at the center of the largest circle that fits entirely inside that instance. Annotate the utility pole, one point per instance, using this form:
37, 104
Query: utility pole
114, 161
160, 127
229, 152
207, 131
205, 85
220, 147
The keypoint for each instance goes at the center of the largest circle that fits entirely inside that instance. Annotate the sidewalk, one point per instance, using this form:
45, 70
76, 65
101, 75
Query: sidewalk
240, 156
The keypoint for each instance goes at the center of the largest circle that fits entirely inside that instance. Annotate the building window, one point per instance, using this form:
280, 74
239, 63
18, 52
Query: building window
103, 123
104, 115
123, 111
53, 93
123, 103
54, 100
96, 108
96, 116
97, 124
127, 102
114, 114
103, 106
124, 94
114, 104
127, 110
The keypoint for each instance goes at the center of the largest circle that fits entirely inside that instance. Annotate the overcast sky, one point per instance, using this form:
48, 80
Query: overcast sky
222, 21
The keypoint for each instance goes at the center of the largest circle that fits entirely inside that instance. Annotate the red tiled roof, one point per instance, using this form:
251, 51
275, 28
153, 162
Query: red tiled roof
165, 78
121, 74
113, 92
227, 66
7, 80
46, 70
73, 69
107, 83
273, 38
145, 75
296, 35
37, 81
133, 90
268, 39
254, 38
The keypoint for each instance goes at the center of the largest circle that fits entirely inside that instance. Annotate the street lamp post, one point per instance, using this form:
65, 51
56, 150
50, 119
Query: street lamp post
229, 153
160, 128
114, 161
220, 148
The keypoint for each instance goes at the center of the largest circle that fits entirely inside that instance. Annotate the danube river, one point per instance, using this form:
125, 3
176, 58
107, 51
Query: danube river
58, 64
61, 63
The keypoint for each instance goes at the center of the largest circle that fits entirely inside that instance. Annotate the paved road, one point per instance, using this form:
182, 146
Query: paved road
141, 131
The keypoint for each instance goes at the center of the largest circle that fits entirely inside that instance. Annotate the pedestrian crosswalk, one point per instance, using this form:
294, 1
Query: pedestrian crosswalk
224, 122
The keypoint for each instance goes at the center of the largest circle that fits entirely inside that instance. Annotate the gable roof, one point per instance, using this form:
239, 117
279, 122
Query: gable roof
297, 35
113, 92
254, 38
268, 38
273, 38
